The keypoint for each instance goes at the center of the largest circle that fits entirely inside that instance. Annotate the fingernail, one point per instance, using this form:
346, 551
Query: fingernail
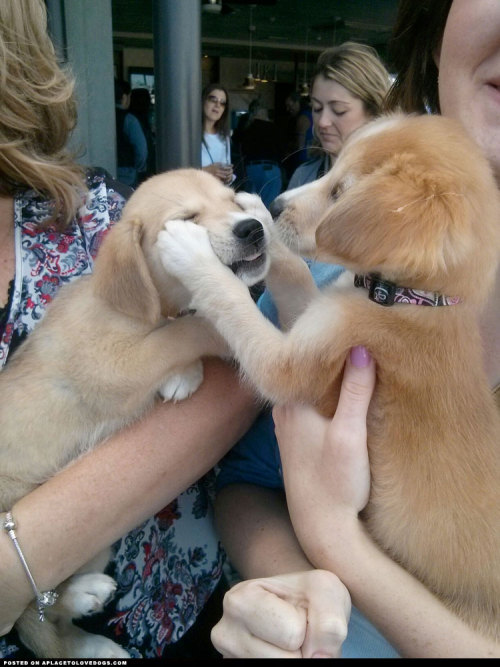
360, 357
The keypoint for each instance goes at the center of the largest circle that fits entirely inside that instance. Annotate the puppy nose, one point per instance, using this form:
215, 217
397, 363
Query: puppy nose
249, 230
276, 207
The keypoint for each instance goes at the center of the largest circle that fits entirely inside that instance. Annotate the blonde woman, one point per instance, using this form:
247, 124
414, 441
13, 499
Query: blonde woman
349, 85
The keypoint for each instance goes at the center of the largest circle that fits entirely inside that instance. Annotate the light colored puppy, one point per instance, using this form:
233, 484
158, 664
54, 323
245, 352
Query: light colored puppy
411, 209
108, 343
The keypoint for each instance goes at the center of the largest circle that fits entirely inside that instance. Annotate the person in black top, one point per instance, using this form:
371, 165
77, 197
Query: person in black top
141, 107
261, 145
131, 144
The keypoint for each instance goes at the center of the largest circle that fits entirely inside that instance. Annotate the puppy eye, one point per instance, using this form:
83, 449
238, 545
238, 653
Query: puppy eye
190, 215
337, 191
342, 186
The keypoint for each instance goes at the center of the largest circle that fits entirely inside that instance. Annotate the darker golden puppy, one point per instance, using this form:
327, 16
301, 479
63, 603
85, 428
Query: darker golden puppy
411, 210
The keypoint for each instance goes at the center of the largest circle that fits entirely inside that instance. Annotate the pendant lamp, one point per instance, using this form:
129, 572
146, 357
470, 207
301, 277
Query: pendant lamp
304, 88
249, 82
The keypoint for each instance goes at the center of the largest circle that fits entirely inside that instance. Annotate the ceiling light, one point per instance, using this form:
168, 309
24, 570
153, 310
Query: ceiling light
212, 6
304, 88
249, 82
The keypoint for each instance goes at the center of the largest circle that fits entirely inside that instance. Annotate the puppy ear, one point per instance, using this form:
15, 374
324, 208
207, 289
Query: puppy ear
393, 223
122, 275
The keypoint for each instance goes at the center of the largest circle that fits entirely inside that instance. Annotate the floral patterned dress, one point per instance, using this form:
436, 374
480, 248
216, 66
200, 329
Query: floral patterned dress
168, 567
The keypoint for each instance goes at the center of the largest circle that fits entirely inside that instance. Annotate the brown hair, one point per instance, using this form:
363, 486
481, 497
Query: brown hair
222, 125
37, 111
416, 36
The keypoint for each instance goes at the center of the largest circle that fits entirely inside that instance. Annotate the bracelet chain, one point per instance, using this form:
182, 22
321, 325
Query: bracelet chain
43, 598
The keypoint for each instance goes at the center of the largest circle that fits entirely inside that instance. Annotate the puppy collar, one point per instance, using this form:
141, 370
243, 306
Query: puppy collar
387, 294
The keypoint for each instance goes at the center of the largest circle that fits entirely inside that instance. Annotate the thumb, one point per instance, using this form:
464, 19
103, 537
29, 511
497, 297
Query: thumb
328, 611
357, 385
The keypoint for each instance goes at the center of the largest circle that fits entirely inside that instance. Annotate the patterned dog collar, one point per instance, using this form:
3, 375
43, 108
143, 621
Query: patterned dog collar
386, 293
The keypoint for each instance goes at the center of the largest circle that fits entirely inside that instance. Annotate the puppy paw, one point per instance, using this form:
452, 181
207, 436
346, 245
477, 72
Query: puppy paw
184, 246
87, 594
181, 385
81, 644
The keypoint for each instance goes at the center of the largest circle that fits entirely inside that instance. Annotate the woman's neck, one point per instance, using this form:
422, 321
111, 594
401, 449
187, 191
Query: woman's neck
209, 127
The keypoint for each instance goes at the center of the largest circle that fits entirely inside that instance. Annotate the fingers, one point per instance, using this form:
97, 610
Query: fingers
257, 623
357, 389
297, 615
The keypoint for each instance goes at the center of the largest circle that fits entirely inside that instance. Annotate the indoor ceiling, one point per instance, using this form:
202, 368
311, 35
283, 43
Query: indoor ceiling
281, 29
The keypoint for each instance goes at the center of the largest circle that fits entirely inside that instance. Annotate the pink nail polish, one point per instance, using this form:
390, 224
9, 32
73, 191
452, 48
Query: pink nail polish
360, 357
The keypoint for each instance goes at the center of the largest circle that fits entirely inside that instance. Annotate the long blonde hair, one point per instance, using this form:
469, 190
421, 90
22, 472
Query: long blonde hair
37, 111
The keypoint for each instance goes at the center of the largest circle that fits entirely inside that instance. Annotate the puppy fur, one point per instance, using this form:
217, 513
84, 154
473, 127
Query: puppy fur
412, 199
107, 344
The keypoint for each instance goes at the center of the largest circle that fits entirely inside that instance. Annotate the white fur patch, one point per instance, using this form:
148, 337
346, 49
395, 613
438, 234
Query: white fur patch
183, 246
88, 593
182, 385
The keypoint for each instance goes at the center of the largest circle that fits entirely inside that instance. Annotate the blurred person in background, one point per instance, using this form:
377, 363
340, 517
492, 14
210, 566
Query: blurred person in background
216, 142
141, 107
131, 144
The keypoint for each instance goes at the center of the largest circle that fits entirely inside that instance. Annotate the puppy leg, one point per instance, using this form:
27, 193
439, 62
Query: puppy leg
284, 367
43, 639
81, 644
168, 358
290, 283
57, 637
86, 593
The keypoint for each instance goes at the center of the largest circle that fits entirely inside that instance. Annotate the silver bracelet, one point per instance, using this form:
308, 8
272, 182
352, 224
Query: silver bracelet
43, 598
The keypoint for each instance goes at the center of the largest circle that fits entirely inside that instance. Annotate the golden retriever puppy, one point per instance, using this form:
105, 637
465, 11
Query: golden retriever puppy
109, 342
411, 210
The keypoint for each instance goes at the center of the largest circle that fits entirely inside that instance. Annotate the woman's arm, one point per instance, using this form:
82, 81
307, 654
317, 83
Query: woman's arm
404, 611
285, 608
327, 480
256, 532
66, 521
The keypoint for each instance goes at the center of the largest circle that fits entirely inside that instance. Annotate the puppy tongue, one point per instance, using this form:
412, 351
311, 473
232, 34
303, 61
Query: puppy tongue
250, 258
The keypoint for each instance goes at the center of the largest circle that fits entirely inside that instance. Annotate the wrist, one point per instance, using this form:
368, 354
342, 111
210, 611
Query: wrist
334, 547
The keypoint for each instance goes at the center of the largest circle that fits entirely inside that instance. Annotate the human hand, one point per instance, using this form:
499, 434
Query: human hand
325, 461
224, 172
298, 615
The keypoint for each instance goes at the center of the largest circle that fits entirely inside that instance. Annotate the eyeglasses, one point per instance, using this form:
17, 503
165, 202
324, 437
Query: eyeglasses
215, 100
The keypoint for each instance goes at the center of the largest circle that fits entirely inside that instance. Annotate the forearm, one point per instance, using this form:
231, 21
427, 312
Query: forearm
256, 532
406, 613
90, 504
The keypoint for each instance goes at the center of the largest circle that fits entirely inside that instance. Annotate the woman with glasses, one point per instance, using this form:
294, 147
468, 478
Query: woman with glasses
215, 144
